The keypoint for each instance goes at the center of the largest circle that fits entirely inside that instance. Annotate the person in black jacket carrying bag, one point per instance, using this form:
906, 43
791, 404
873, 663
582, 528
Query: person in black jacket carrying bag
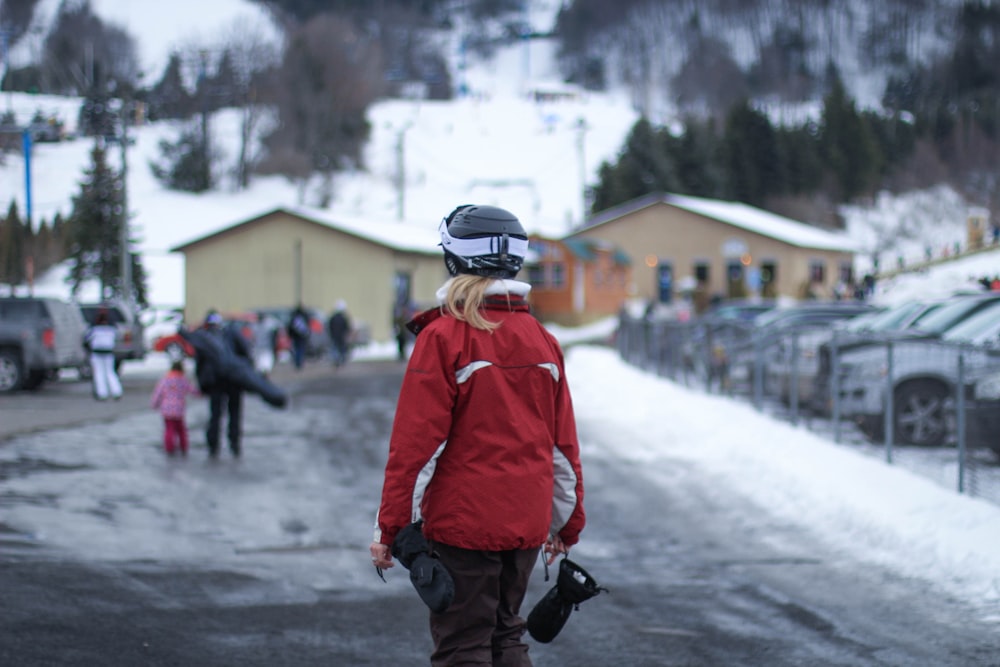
222, 392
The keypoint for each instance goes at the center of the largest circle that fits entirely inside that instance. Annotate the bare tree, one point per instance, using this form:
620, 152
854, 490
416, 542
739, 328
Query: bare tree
252, 54
15, 18
82, 51
331, 72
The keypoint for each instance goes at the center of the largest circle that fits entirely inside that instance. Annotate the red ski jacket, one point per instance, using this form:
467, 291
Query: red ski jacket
484, 445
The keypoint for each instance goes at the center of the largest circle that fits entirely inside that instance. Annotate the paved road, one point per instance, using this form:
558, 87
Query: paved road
696, 575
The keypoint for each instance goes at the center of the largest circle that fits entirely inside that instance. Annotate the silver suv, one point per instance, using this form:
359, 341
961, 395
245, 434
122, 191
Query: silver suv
39, 336
131, 341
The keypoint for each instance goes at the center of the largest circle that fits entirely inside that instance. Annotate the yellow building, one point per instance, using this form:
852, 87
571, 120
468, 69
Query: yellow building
720, 248
288, 256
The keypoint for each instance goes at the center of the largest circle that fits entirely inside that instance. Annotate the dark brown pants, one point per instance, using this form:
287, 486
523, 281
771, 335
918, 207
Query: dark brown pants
482, 625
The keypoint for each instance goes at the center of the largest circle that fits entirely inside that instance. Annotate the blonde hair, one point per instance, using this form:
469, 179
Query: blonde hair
464, 301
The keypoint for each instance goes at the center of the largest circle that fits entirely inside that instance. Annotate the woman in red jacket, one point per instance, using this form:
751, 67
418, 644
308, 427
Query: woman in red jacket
484, 448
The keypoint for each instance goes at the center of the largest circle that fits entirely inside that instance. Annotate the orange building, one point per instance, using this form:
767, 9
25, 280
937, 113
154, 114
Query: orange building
576, 281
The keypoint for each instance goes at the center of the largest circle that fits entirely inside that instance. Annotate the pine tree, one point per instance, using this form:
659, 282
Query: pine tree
186, 163
847, 144
95, 227
751, 161
223, 87
645, 166
13, 251
169, 98
96, 117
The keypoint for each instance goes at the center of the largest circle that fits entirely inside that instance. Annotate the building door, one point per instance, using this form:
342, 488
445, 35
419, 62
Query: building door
735, 285
665, 282
768, 279
403, 303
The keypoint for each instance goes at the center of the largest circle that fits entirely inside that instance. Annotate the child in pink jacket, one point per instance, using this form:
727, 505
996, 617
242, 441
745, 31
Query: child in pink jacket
170, 396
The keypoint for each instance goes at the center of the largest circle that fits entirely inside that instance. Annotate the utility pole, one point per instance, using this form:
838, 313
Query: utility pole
26, 146
202, 89
5, 53
126, 254
581, 132
401, 171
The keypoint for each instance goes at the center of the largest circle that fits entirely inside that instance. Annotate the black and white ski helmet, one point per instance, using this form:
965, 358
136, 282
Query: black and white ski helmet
484, 241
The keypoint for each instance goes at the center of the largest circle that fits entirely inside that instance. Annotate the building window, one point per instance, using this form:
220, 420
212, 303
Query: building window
551, 251
817, 271
557, 275
701, 272
846, 273
536, 275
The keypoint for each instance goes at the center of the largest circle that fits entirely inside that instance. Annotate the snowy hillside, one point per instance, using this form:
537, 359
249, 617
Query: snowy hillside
495, 146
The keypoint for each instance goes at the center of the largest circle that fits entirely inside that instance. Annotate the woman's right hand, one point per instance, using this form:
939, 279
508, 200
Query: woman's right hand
381, 555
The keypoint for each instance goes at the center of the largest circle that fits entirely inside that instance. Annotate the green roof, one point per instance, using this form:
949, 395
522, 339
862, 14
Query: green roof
586, 249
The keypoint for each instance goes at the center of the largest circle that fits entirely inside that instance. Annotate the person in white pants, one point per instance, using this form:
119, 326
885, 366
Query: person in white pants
100, 340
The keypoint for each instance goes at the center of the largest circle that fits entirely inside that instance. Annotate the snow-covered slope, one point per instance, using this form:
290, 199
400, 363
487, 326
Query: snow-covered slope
495, 146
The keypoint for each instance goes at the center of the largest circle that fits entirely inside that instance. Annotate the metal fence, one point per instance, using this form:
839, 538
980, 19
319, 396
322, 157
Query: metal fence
924, 404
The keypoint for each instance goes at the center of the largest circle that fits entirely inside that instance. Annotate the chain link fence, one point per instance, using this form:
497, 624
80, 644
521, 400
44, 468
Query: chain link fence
930, 406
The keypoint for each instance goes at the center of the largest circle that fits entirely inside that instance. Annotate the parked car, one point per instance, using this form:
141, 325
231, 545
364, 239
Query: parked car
982, 411
743, 310
769, 329
916, 321
924, 379
159, 322
38, 337
800, 366
318, 344
177, 348
130, 342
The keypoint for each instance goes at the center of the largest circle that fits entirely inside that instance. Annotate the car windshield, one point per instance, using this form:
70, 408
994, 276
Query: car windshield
90, 313
928, 310
774, 315
948, 315
865, 321
739, 311
775, 318
21, 310
887, 320
981, 328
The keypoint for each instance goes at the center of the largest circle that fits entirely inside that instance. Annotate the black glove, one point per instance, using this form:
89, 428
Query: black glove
573, 586
427, 574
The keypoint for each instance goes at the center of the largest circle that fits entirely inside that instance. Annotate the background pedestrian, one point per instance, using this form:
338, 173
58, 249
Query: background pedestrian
170, 397
100, 340
299, 330
339, 328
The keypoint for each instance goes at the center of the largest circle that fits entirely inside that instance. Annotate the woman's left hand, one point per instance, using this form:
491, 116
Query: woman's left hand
553, 547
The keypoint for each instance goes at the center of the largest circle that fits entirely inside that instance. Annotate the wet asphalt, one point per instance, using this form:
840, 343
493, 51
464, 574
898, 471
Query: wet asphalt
113, 555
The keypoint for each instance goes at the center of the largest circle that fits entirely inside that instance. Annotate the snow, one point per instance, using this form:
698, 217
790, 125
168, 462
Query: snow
858, 505
497, 147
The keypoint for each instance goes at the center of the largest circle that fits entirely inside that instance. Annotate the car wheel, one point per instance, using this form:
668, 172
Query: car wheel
86, 372
11, 374
175, 352
920, 415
